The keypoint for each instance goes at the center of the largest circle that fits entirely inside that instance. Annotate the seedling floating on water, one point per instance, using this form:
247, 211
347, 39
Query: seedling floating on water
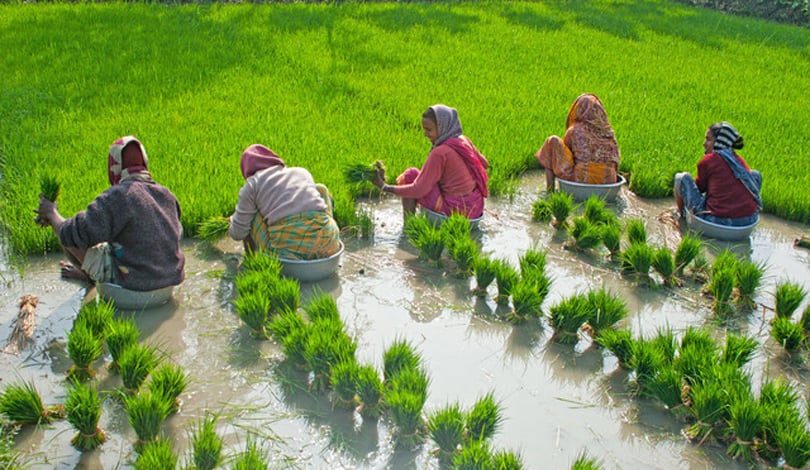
121, 334
446, 428
83, 348
214, 228
136, 362
22, 404
156, 455
789, 296
83, 409
146, 412
169, 381
207, 445
484, 269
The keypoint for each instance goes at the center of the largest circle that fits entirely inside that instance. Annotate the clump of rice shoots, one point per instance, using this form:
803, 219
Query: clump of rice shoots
322, 306
586, 234
611, 236
688, 250
369, 392
541, 211
794, 442
664, 264
594, 210
431, 246
344, 383
259, 261
49, 187
746, 421
464, 252
22, 404
405, 409
720, 288
748, 277
214, 228
156, 455
474, 456
805, 321
739, 349
726, 260
789, 296
568, 316
146, 412
696, 354
700, 268
283, 324
637, 260
254, 457
399, 356
506, 277
584, 462
366, 222
484, 269
507, 460
665, 385
285, 294
532, 260
707, 407
97, 316
484, 419
254, 283
778, 413
362, 173
413, 379
121, 334
253, 310
787, 334
136, 363
454, 228
83, 410
169, 381
415, 227
83, 348
295, 342
561, 205
636, 231
664, 341
324, 349
618, 342
528, 297
606, 310
445, 427
646, 359
206, 445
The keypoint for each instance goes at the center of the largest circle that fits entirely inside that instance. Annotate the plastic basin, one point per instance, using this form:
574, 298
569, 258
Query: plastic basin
437, 218
134, 300
720, 232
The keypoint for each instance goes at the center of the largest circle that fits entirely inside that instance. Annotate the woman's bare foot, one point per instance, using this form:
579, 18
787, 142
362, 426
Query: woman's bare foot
71, 271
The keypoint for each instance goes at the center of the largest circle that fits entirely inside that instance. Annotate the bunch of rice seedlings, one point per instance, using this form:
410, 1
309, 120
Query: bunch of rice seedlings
146, 412
156, 455
214, 228
736, 381
664, 341
362, 173
169, 381
431, 245
665, 385
701, 268
696, 355
636, 231
22, 404
254, 457
746, 421
260, 261
445, 427
794, 442
561, 205
254, 283
748, 278
583, 462
413, 380
720, 288
83, 409
541, 211
206, 445
612, 238
464, 252
527, 299
618, 342
484, 419
739, 349
645, 360
344, 383
285, 294
637, 259
455, 228
507, 460
324, 349
688, 250
805, 321
253, 310
789, 296
532, 260
474, 456
369, 392
506, 276
97, 315
295, 342
399, 356
415, 227
83, 348
283, 324
322, 306
707, 407
725, 261
136, 363
121, 334
594, 210
568, 316
779, 402
586, 234
664, 264
366, 222
606, 310
49, 186
405, 409
787, 334
484, 269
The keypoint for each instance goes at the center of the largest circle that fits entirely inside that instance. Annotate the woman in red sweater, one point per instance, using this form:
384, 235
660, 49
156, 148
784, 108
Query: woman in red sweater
726, 191
454, 176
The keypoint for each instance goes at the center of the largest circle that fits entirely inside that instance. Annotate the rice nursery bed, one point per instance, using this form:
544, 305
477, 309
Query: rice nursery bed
555, 400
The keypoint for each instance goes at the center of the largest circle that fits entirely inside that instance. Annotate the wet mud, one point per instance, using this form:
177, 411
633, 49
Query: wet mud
558, 400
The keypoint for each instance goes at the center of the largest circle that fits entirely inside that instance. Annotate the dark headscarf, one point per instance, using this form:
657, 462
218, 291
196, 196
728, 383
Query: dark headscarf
257, 157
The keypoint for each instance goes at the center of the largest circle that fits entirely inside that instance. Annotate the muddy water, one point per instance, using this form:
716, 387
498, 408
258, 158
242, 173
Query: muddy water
558, 400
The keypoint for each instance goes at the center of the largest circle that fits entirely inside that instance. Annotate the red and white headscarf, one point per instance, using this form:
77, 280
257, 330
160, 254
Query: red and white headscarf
120, 169
257, 157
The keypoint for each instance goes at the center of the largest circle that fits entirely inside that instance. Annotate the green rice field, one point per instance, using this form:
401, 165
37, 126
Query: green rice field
329, 85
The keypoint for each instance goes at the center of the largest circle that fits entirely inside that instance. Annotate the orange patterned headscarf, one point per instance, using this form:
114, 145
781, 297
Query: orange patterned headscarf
588, 132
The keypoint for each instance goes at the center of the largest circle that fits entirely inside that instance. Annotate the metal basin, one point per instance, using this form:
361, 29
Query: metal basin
311, 270
134, 300
582, 191
437, 218
720, 232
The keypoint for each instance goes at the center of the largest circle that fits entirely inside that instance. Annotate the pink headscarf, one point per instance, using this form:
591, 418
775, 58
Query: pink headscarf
120, 169
257, 157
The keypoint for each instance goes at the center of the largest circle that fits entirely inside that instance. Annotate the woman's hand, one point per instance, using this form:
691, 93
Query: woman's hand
48, 214
379, 178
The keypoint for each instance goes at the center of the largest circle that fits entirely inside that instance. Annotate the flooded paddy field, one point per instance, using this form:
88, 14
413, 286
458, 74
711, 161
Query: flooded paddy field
557, 400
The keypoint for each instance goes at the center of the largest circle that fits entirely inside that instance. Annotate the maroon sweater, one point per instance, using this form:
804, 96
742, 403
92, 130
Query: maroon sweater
726, 196
144, 219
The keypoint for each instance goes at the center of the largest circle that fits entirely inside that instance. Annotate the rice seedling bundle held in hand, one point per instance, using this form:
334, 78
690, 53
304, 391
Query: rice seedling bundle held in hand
214, 228
83, 410
22, 404
49, 187
83, 348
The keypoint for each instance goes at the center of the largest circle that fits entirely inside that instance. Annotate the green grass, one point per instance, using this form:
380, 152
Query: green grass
335, 101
